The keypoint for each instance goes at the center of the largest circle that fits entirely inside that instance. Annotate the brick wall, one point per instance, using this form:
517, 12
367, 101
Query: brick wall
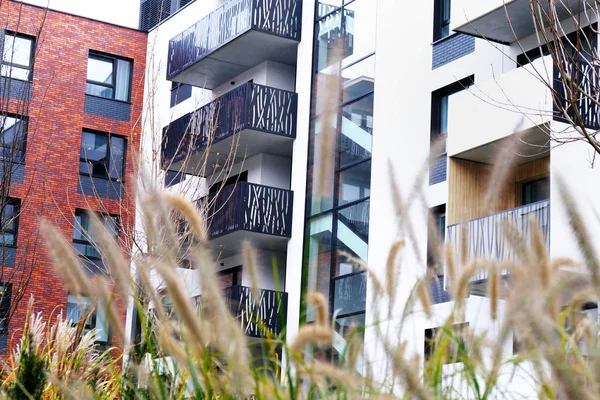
49, 187
452, 48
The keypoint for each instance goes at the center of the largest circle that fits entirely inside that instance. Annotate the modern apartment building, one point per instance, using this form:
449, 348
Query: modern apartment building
405, 75
71, 92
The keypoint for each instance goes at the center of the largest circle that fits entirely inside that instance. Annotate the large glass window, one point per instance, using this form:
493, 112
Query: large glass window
13, 138
79, 307
9, 218
340, 156
17, 56
102, 156
5, 299
108, 76
84, 237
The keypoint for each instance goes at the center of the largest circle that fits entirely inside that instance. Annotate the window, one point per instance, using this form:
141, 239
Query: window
441, 19
17, 56
13, 138
84, 237
180, 92
536, 190
436, 234
454, 342
5, 297
230, 277
173, 178
108, 76
439, 105
10, 223
102, 156
80, 306
232, 180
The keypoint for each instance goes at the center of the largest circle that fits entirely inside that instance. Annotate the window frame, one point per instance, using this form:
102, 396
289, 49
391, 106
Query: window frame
20, 66
16, 203
108, 157
24, 120
439, 22
86, 214
98, 55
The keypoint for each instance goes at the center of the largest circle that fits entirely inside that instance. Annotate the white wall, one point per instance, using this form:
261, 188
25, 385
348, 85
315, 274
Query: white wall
401, 138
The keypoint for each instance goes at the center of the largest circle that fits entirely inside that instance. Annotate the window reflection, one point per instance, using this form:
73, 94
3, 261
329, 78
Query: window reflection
356, 131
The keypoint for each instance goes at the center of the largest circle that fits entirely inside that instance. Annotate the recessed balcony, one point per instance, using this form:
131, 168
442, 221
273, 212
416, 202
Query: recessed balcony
247, 120
248, 211
235, 37
508, 21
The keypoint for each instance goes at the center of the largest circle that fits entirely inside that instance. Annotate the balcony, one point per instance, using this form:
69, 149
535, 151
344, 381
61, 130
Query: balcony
263, 117
486, 236
257, 318
247, 211
235, 37
506, 21
512, 109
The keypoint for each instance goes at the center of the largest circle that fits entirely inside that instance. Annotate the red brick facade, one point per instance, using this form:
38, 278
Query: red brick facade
56, 120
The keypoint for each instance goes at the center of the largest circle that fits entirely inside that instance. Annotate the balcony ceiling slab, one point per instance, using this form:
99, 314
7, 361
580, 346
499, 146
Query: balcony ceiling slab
533, 144
237, 56
230, 244
241, 147
513, 20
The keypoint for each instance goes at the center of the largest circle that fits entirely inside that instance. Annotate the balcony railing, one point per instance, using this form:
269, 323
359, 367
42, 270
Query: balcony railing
249, 106
584, 76
256, 317
250, 207
276, 17
487, 236
350, 293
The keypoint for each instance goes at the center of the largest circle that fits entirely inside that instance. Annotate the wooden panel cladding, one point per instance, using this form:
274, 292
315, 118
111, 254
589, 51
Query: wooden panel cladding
469, 183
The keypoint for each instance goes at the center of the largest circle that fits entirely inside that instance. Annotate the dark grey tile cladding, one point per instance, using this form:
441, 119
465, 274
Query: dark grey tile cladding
104, 188
3, 342
436, 288
108, 108
8, 256
452, 48
18, 171
15, 89
437, 171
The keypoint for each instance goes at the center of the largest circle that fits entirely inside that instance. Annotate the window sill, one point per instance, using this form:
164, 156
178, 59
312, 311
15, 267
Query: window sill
107, 98
444, 38
103, 178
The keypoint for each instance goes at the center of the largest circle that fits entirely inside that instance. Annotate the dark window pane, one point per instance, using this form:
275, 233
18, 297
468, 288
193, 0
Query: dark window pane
7, 239
356, 131
117, 156
94, 149
352, 236
319, 256
81, 227
354, 183
13, 134
443, 115
100, 70
537, 190
98, 90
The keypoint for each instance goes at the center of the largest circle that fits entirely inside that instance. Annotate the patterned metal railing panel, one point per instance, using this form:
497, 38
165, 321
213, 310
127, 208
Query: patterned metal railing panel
273, 110
487, 236
584, 81
258, 317
249, 106
267, 209
350, 293
281, 17
278, 17
250, 207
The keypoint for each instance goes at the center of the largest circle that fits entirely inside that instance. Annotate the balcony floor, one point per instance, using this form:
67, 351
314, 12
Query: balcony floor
237, 56
246, 144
